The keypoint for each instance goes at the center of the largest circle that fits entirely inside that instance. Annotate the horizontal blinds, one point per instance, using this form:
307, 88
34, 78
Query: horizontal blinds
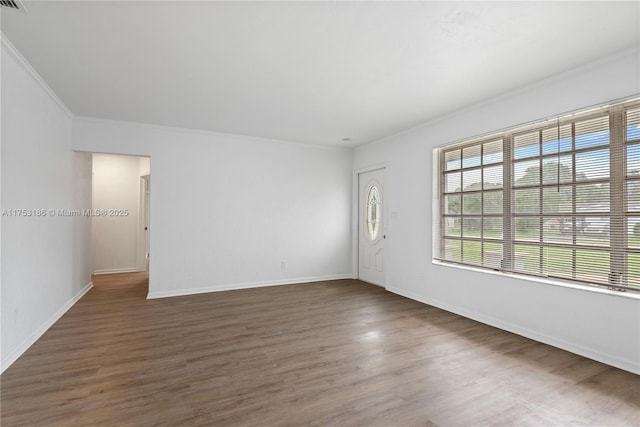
472, 204
631, 131
573, 199
561, 201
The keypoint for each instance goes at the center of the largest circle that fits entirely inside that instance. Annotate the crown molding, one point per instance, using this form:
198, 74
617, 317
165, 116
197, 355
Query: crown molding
34, 74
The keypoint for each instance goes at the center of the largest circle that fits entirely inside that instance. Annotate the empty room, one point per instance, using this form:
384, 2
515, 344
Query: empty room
230, 213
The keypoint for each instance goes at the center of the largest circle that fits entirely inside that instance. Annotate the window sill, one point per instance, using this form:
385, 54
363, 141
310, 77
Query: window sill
553, 282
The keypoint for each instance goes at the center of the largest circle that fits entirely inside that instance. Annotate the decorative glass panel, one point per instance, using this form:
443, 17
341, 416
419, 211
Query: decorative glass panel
373, 213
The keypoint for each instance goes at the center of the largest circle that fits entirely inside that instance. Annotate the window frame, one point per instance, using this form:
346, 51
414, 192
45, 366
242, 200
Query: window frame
618, 216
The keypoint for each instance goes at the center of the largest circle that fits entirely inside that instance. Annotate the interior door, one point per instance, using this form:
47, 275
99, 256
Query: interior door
143, 225
371, 226
146, 215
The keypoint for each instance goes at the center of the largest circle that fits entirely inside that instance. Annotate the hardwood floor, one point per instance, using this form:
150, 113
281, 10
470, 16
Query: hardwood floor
329, 353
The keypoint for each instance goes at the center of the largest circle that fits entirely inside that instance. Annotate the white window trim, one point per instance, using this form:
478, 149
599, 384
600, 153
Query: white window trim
543, 280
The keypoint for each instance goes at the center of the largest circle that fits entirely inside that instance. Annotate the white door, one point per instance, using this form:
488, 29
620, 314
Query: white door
143, 224
371, 229
146, 215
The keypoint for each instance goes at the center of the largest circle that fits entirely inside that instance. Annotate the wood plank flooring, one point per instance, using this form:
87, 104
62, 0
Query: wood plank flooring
338, 353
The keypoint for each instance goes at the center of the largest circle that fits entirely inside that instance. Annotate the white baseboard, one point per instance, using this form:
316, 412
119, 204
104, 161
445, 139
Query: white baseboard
43, 328
612, 360
247, 285
117, 270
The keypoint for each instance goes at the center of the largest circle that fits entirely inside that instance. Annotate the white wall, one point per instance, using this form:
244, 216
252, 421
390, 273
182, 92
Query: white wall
599, 325
45, 267
116, 186
227, 210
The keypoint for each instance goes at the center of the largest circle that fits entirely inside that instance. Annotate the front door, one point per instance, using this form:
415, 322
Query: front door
371, 229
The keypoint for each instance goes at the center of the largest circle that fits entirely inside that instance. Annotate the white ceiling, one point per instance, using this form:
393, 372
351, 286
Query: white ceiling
313, 72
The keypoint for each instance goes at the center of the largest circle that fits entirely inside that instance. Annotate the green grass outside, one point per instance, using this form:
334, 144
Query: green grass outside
555, 262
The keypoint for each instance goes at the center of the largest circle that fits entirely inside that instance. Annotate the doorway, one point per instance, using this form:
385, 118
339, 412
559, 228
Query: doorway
371, 226
120, 213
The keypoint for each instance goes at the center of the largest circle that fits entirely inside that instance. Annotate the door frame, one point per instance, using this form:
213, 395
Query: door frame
143, 214
355, 217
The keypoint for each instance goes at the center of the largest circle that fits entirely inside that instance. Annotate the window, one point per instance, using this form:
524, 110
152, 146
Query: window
556, 199
473, 203
373, 213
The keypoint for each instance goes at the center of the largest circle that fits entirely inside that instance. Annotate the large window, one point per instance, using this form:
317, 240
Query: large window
556, 199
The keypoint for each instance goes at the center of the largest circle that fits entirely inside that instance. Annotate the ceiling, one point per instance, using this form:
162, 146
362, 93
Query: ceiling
311, 72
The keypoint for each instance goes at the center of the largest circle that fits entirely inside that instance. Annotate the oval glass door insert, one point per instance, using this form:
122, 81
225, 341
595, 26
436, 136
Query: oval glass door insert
373, 213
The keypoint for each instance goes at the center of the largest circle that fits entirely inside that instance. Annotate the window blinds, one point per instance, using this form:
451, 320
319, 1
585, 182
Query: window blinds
558, 199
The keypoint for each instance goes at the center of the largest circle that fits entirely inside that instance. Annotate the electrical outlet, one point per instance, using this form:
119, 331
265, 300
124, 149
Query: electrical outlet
283, 264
